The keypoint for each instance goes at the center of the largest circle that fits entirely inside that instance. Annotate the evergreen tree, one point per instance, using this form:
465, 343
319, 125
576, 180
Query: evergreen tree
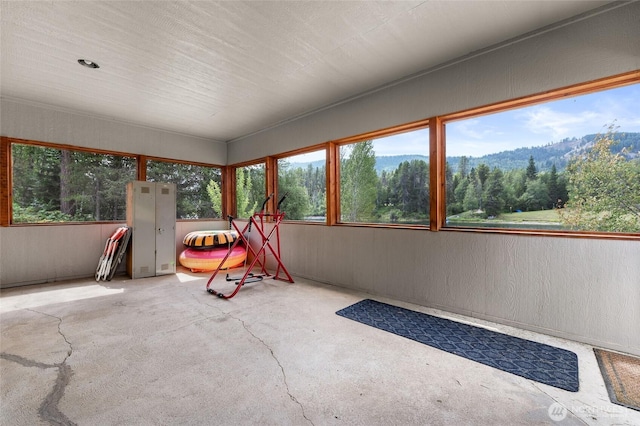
463, 167
451, 182
532, 170
553, 186
483, 173
494, 193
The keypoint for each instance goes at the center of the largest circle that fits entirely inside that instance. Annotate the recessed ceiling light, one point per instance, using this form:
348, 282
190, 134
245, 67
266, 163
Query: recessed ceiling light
87, 63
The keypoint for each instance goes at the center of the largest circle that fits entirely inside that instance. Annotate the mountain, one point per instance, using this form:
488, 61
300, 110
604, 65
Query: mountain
558, 153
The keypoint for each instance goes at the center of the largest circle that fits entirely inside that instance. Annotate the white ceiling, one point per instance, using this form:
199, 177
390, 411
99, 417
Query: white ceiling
223, 70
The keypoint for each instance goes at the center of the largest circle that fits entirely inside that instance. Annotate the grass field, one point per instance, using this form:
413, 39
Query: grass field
535, 216
539, 219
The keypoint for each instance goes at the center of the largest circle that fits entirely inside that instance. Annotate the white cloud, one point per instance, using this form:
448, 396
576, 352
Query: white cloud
477, 129
556, 124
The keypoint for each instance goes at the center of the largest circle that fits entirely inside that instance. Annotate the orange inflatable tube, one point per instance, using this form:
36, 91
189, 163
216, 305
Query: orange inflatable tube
199, 260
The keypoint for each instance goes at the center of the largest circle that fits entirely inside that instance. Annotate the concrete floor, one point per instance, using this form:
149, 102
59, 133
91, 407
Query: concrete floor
162, 351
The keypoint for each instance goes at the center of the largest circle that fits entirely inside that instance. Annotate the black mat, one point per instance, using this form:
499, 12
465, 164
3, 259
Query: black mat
536, 361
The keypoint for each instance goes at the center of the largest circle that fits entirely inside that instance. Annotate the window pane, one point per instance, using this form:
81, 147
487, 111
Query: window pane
59, 185
198, 188
570, 164
386, 180
250, 189
303, 179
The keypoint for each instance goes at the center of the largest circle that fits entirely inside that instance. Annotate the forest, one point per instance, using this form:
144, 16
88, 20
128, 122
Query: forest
593, 182
59, 185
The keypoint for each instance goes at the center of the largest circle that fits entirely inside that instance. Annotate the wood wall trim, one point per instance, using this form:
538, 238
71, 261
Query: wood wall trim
332, 198
69, 147
299, 151
141, 167
437, 178
550, 95
5, 182
388, 131
228, 189
189, 163
271, 182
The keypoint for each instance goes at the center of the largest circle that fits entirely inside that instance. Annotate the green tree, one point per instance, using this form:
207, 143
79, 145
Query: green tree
215, 195
463, 167
358, 182
536, 196
471, 200
243, 192
554, 188
473, 195
257, 187
494, 193
604, 189
58, 185
483, 173
192, 181
459, 193
532, 170
291, 182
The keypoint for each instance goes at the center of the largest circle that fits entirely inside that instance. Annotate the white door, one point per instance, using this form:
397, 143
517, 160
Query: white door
165, 217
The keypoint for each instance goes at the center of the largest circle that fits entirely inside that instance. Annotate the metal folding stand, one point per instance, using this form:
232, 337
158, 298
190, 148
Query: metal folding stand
259, 222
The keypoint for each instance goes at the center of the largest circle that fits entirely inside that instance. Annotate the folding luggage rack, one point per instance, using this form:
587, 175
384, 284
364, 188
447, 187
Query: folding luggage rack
257, 221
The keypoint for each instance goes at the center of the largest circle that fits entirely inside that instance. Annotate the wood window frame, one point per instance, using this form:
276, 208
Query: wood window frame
437, 162
333, 172
142, 175
438, 138
6, 173
273, 189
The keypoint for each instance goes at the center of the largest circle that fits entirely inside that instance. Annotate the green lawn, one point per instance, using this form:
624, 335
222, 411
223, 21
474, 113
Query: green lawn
534, 216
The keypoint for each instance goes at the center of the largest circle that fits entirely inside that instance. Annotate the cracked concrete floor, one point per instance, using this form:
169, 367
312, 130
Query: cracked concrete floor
162, 351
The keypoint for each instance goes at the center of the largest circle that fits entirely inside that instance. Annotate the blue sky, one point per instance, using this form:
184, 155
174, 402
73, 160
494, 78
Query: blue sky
524, 127
549, 122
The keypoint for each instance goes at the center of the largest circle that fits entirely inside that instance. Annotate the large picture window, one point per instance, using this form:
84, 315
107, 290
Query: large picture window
61, 185
386, 179
198, 188
303, 179
569, 164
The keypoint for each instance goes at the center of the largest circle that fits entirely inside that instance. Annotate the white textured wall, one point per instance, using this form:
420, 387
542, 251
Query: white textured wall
39, 254
581, 289
34, 122
36, 254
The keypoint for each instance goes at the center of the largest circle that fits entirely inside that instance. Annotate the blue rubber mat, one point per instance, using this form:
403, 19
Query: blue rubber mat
536, 361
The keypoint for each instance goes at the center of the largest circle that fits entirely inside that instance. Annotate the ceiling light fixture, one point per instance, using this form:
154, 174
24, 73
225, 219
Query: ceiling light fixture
87, 63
